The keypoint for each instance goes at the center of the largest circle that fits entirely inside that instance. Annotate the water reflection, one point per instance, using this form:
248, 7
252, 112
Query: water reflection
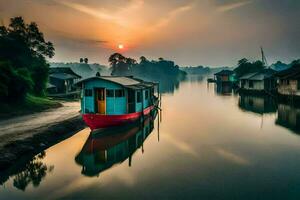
194, 78
104, 149
259, 104
224, 89
31, 172
288, 116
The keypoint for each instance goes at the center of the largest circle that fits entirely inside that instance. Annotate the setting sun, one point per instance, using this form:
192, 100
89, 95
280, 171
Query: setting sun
120, 46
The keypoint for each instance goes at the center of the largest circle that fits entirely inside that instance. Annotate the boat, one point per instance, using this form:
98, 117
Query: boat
109, 101
112, 146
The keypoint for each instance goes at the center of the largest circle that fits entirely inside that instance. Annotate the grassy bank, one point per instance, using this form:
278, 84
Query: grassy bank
30, 105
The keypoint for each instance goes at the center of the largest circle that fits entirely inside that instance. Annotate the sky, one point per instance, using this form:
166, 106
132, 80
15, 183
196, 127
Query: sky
189, 32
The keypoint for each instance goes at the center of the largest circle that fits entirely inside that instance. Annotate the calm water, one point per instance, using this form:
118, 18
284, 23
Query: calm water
210, 145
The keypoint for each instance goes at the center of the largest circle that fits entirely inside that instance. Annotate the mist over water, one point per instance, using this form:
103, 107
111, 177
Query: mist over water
210, 144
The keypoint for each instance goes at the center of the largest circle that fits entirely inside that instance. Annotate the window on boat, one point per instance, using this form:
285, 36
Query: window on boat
146, 94
119, 93
88, 92
109, 93
138, 97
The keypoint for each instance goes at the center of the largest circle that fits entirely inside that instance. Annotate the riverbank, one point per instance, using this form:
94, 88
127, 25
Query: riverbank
28, 135
31, 104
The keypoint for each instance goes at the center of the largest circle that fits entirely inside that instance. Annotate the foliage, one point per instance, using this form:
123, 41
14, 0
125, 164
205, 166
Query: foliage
245, 67
128, 66
121, 66
13, 82
34, 172
22, 54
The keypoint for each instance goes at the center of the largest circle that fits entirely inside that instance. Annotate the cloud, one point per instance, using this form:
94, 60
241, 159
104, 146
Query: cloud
170, 16
116, 16
232, 6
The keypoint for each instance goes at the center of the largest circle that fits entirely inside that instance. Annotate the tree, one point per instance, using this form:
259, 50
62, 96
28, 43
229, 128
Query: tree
86, 60
24, 47
245, 67
81, 60
118, 63
14, 82
143, 59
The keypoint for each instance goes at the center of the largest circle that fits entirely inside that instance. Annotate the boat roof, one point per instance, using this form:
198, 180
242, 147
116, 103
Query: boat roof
125, 81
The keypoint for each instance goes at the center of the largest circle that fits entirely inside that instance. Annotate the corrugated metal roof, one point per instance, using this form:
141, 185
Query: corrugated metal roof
63, 76
125, 81
66, 70
258, 77
247, 76
224, 72
261, 75
49, 85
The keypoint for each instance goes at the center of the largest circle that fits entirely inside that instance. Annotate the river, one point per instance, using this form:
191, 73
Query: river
206, 143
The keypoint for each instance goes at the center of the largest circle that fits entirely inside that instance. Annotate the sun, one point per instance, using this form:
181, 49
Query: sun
120, 46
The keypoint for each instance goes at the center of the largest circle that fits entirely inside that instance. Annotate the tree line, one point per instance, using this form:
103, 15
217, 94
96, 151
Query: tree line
245, 66
23, 66
154, 69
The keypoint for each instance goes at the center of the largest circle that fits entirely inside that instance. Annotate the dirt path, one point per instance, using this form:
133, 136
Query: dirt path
19, 128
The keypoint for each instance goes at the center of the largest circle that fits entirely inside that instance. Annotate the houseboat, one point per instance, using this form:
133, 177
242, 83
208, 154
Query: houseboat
114, 100
262, 81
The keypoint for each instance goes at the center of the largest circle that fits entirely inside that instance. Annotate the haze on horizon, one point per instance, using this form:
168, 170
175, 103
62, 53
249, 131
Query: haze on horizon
190, 32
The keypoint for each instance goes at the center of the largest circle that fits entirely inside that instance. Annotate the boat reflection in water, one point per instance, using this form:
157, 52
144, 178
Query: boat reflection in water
259, 104
112, 146
288, 116
224, 89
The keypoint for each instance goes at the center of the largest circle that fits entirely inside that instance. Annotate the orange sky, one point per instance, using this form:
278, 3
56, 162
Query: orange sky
191, 32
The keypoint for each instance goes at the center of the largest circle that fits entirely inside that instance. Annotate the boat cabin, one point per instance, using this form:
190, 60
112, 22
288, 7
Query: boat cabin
116, 95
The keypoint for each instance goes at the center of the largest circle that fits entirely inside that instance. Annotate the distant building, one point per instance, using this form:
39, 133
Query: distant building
289, 81
51, 89
63, 79
263, 80
225, 76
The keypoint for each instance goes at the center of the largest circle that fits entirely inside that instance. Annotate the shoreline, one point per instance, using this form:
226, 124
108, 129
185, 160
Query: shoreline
42, 139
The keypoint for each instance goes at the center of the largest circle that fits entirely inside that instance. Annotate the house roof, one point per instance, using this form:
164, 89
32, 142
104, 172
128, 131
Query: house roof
224, 72
65, 70
259, 76
247, 76
124, 81
292, 72
49, 85
63, 76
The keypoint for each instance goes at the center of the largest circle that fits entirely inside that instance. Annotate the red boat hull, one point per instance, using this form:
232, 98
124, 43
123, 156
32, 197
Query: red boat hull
98, 121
